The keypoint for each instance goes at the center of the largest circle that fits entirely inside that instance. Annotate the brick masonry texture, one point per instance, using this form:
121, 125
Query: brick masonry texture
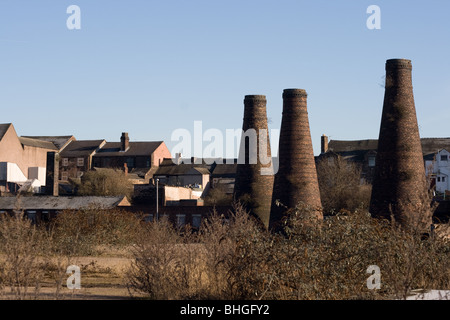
296, 180
252, 188
399, 184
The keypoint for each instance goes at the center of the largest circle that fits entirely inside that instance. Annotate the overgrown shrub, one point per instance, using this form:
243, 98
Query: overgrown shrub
340, 186
237, 260
105, 182
21, 245
90, 231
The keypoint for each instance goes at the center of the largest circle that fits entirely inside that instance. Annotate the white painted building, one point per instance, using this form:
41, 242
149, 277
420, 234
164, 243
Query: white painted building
11, 173
439, 170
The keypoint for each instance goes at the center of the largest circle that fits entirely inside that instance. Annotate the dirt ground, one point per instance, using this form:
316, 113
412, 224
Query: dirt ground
102, 278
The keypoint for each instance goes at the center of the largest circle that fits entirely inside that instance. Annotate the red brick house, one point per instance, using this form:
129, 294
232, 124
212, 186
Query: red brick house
76, 158
141, 158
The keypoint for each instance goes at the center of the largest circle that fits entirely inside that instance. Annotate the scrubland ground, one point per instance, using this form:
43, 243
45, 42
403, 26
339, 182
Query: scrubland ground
120, 257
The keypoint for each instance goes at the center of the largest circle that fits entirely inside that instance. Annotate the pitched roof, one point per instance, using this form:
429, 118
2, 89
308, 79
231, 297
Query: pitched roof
80, 148
202, 170
37, 143
429, 145
225, 169
61, 203
433, 145
180, 169
112, 149
3, 128
142, 172
59, 141
344, 146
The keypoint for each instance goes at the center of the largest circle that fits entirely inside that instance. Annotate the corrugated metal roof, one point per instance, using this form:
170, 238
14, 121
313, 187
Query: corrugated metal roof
60, 203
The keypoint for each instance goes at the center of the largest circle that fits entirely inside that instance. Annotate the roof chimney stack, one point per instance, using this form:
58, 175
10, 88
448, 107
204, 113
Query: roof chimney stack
323, 144
124, 141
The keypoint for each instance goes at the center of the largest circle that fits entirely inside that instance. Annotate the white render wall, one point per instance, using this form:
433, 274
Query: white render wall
37, 173
10, 172
441, 169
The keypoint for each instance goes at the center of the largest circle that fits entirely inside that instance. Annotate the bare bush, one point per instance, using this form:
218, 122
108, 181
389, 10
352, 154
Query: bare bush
21, 245
89, 231
340, 185
218, 196
156, 269
105, 182
236, 259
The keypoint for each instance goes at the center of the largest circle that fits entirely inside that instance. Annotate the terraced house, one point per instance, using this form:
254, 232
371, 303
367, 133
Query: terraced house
140, 158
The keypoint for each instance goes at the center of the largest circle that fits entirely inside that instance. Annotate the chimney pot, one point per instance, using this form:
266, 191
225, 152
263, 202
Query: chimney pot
324, 144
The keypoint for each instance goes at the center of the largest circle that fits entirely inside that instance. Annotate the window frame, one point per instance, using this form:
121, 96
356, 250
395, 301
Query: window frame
80, 160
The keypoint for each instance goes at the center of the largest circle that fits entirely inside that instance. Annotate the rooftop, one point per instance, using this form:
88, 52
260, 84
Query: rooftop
3, 128
112, 149
429, 145
61, 203
80, 148
31, 142
59, 141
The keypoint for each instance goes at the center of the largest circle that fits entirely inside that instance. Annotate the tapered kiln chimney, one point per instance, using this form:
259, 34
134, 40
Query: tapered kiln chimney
296, 180
254, 175
399, 184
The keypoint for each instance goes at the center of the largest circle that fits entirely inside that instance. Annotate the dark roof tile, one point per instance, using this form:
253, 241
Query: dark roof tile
79, 148
112, 149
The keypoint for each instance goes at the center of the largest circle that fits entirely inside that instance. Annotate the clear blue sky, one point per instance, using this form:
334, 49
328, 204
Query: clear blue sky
150, 67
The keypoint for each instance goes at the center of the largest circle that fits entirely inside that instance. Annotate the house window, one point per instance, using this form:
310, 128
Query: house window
443, 179
371, 161
130, 162
32, 216
444, 157
439, 179
65, 162
80, 162
181, 220
45, 216
64, 176
196, 220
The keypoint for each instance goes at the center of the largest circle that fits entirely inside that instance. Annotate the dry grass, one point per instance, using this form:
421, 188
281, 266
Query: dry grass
228, 258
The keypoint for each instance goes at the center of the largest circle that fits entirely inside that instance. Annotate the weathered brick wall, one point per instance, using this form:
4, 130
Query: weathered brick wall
296, 180
161, 153
399, 183
251, 187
